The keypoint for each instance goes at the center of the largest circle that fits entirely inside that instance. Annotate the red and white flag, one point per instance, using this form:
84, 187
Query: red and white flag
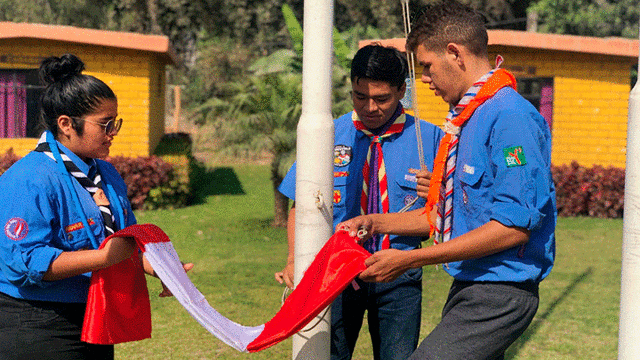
118, 305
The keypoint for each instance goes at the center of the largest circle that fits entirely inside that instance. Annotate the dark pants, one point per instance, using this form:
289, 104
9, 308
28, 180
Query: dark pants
31, 330
393, 311
480, 321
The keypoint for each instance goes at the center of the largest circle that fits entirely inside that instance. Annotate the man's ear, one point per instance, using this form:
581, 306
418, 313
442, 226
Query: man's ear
455, 52
403, 88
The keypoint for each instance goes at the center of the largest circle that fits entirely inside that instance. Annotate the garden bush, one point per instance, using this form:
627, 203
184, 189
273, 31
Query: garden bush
8, 159
596, 191
152, 183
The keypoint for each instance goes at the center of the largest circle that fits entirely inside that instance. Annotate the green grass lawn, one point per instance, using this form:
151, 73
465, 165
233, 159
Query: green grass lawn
229, 237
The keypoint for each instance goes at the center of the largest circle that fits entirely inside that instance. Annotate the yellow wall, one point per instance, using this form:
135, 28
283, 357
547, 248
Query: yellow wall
134, 77
589, 107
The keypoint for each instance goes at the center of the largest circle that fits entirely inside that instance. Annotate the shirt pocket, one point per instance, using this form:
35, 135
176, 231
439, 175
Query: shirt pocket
473, 194
75, 234
339, 191
404, 194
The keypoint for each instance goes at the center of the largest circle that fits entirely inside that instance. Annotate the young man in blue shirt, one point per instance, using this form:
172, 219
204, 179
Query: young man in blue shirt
375, 150
495, 220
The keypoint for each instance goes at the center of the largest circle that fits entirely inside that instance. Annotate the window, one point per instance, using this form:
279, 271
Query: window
19, 103
539, 91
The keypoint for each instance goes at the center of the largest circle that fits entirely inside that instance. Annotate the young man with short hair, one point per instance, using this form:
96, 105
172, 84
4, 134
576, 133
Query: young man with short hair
491, 186
375, 150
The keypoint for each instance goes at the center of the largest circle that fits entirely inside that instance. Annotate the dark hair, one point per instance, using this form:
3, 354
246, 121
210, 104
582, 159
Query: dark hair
379, 63
449, 21
69, 92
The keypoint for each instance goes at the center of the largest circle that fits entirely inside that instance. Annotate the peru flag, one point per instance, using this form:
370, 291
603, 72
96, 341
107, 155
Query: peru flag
118, 312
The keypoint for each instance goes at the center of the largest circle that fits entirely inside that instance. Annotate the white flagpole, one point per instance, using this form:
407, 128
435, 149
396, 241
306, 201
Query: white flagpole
314, 176
629, 331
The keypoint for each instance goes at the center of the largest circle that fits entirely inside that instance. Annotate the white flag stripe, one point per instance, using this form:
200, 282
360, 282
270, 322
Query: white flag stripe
164, 260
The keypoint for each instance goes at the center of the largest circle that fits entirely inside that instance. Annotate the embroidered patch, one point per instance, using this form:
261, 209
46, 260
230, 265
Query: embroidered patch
77, 226
341, 155
337, 196
514, 156
408, 199
340, 174
16, 229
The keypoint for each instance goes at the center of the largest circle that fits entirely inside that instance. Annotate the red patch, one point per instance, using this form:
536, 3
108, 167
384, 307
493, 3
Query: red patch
77, 226
336, 196
16, 229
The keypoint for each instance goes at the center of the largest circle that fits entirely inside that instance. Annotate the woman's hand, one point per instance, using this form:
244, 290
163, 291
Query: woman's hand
165, 290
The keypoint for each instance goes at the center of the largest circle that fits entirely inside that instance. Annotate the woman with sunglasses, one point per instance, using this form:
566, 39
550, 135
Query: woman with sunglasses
59, 203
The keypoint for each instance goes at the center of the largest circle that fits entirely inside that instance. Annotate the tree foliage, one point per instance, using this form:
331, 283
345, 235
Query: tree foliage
589, 17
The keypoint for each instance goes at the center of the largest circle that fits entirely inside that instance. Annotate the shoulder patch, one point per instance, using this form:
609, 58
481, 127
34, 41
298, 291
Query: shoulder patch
16, 229
514, 156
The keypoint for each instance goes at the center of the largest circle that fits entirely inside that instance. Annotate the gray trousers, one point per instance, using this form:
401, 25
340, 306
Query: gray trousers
480, 320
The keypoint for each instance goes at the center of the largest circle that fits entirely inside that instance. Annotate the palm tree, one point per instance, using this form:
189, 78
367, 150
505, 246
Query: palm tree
263, 118
261, 114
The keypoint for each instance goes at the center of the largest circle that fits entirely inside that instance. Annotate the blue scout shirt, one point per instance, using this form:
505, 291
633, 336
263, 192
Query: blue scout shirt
40, 221
503, 173
350, 154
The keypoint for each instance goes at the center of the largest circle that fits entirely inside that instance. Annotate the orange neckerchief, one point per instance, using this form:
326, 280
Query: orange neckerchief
500, 78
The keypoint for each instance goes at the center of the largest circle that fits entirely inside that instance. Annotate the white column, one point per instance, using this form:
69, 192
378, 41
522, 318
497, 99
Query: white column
314, 176
629, 334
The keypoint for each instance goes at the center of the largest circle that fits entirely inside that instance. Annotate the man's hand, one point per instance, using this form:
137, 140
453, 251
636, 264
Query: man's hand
423, 178
355, 226
286, 275
385, 266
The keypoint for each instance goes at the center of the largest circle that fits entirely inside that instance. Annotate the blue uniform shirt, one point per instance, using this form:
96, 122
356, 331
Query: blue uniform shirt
40, 221
400, 154
503, 173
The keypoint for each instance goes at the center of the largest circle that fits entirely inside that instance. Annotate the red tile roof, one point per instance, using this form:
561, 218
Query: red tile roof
614, 46
152, 43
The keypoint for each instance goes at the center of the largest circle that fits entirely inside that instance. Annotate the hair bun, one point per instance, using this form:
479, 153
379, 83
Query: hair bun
54, 69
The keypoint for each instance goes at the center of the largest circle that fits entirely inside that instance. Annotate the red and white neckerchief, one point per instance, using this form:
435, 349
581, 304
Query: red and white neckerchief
441, 184
375, 152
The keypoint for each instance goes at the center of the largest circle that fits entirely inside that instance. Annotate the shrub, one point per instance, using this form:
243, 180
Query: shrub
8, 159
595, 191
151, 182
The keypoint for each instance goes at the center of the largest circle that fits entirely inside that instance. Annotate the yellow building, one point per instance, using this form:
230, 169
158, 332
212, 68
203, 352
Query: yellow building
133, 65
580, 85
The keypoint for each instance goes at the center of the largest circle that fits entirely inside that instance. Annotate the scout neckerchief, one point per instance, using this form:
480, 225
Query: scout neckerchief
374, 187
94, 187
444, 167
